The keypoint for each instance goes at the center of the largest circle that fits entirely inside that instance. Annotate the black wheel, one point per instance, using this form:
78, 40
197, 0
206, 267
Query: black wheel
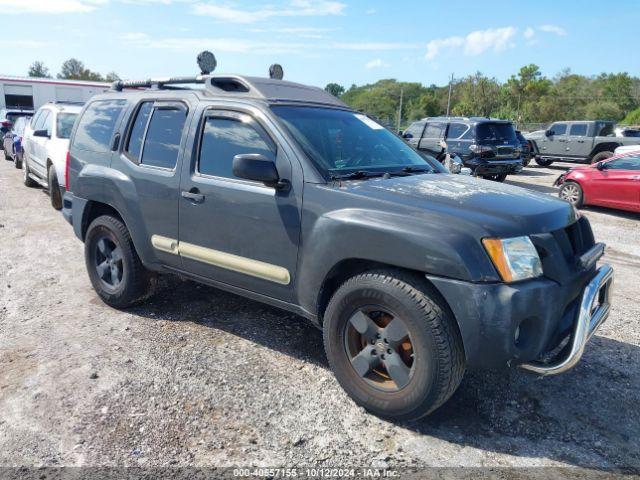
392, 344
17, 160
54, 188
498, 177
543, 162
572, 193
114, 268
526, 161
26, 179
598, 157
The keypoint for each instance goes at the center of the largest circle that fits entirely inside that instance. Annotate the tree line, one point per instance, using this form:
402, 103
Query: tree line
528, 97
71, 69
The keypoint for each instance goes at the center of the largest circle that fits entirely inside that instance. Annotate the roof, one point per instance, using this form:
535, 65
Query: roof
53, 81
468, 119
238, 86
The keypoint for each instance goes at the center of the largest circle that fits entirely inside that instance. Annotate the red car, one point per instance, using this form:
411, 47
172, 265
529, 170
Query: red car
614, 183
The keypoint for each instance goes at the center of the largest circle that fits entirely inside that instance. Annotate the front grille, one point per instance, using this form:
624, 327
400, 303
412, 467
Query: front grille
560, 250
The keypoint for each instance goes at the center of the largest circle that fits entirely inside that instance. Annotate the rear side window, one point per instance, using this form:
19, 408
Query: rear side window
456, 130
434, 130
223, 139
97, 125
578, 130
134, 146
164, 133
495, 133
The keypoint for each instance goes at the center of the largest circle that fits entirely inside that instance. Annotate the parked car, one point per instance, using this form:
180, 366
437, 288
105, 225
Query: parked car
626, 149
281, 193
489, 147
8, 116
526, 153
572, 141
46, 144
627, 132
12, 141
613, 183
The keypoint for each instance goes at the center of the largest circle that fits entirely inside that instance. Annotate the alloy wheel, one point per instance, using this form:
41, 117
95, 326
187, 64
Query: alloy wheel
108, 263
379, 347
570, 193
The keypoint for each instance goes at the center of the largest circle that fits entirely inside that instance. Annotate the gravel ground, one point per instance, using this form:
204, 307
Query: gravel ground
200, 377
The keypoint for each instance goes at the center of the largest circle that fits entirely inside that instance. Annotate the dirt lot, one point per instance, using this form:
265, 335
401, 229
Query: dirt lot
202, 377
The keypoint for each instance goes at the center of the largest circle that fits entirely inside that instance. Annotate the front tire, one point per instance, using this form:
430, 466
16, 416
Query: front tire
114, 267
17, 161
54, 188
498, 177
393, 345
572, 193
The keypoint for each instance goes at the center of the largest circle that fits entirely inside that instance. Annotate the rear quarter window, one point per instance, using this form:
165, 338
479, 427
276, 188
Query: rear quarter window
97, 124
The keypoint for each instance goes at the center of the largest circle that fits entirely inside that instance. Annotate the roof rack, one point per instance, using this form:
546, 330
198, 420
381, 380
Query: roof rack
159, 83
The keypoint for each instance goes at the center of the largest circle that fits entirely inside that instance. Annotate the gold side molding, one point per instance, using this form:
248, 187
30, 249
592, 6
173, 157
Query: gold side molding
228, 261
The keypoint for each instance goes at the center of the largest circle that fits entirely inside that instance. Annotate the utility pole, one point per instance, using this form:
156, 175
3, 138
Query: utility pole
449, 99
400, 109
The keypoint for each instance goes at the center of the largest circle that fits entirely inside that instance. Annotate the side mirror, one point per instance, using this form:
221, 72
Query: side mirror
257, 167
406, 135
549, 133
41, 133
601, 166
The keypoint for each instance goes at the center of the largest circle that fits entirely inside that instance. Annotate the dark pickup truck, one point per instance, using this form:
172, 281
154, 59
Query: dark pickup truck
281, 193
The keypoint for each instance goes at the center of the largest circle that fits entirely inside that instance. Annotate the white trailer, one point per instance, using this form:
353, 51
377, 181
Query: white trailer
31, 93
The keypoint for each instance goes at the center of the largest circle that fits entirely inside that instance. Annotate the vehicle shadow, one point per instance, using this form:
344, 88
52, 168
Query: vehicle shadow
588, 417
532, 186
614, 213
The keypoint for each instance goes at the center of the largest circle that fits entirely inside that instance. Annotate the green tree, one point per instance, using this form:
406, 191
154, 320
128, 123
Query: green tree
335, 89
111, 77
633, 117
38, 70
74, 69
603, 110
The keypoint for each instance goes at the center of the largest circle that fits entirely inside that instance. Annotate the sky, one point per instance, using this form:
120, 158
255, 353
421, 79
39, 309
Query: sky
322, 41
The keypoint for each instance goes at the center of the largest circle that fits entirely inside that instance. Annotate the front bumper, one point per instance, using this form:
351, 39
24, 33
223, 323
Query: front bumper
594, 310
522, 323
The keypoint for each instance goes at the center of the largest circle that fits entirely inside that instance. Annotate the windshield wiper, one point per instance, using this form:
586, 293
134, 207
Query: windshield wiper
417, 170
357, 175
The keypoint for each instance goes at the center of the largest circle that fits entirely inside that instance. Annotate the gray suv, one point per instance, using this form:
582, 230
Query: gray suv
281, 193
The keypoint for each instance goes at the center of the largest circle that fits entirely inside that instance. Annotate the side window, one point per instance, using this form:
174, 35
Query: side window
578, 130
434, 130
415, 130
624, 163
559, 128
134, 144
223, 138
48, 122
456, 130
35, 119
96, 127
41, 120
164, 133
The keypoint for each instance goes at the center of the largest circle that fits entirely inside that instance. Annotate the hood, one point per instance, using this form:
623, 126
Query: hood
498, 208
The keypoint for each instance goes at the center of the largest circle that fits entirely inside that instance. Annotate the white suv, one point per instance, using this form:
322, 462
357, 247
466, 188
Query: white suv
45, 144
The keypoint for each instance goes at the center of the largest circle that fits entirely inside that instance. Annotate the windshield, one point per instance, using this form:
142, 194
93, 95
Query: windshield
341, 141
495, 133
65, 124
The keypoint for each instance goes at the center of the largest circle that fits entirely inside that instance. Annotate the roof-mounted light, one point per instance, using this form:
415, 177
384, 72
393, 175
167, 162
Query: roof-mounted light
276, 72
207, 62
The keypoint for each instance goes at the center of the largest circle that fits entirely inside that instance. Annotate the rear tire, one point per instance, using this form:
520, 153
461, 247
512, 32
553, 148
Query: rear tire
572, 193
543, 162
26, 179
598, 157
428, 343
6, 155
115, 269
54, 188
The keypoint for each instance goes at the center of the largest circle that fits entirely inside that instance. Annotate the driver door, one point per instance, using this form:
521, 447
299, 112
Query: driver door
555, 145
235, 231
618, 184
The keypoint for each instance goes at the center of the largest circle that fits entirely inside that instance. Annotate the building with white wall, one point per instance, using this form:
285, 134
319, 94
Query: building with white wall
27, 92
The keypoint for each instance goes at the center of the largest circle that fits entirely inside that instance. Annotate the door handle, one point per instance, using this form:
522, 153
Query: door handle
193, 195
580, 141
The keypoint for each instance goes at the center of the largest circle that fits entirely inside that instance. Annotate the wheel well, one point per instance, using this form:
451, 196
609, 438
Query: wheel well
604, 147
346, 269
94, 210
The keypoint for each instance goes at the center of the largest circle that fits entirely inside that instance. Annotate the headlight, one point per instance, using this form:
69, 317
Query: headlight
514, 258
